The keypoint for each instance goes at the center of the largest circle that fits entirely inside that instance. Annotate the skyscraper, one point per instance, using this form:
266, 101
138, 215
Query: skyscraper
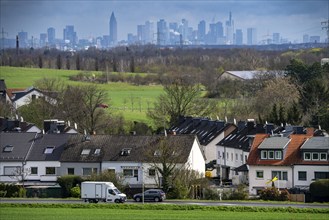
201, 31
276, 38
230, 30
162, 32
51, 36
251, 36
23, 40
113, 30
238, 37
69, 35
43, 39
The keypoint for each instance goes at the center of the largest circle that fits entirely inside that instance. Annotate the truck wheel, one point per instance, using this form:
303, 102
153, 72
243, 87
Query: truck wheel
157, 199
117, 201
138, 199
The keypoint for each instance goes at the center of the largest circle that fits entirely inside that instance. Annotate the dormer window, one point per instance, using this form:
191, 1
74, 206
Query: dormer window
278, 155
8, 148
307, 156
85, 152
323, 156
271, 155
49, 150
125, 152
263, 154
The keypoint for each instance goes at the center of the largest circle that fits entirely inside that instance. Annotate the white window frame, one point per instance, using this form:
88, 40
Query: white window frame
278, 155
269, 153
299, 179
307, 153
315, 153
326, 156
36, 170
263, 154
10, 170
258, 172
50, 174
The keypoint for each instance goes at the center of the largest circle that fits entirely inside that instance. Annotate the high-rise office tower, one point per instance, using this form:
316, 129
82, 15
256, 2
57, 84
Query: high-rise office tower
216, 33
230, 30
51, 36
276, 38
251, 36
113, 30
183, 29
306, 38
201, 31
162, 32
149, 32
23, 40
43, 39
238, 37
141, 34
69, 35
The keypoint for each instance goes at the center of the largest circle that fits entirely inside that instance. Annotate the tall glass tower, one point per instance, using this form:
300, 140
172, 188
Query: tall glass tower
113, 30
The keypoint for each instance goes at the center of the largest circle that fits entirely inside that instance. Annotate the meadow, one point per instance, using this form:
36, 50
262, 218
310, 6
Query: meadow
130, 101
131, 212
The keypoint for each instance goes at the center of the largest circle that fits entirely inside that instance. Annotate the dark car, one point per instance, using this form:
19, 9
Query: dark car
156, 195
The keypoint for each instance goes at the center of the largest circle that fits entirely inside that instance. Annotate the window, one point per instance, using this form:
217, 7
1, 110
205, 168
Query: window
307, 156
321, 175
232, 156
50, 170
151, 172
227, 156
259, 174
302, 175
236, 157
88, 171
10, 171
49, 150
271, 154
281, 175
85, 152
130, 173
315, 156
278, 155
70, 171
223, 155
245, 158
241, 157
97, 151
34, 97
34, 170
323, 156
8, 148
263, 154
125, 152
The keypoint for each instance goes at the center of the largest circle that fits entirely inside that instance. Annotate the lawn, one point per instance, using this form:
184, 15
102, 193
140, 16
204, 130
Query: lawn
17, 213
128, 100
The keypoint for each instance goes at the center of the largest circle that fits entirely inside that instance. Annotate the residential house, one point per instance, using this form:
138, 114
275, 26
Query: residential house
209, 133
130, 156
288, 158
312, 162
247, 75
16, 125
14, 149
3, 91
232, 152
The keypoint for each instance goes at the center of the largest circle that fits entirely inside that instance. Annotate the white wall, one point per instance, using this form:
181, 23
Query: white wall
258, 183
26, 99
211, 148
196, 160
310, 169
42, 176
4, 178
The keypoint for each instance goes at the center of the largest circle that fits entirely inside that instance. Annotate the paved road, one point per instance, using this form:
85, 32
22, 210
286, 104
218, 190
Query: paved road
202, 203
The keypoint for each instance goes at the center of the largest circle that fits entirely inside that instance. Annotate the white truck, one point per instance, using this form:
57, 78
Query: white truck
94, 192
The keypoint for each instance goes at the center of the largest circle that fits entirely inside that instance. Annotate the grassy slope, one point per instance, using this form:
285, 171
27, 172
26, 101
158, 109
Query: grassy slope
119, 94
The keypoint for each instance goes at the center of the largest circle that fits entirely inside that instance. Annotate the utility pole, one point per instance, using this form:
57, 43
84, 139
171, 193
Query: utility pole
3, 40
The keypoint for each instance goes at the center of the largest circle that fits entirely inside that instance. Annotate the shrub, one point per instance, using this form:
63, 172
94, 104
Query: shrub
67, 182
10, 190
320, 190
75, 192
211, 194
240, 193
274, 194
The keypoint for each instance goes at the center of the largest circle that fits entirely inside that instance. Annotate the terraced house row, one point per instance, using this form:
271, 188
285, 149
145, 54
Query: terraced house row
230, 153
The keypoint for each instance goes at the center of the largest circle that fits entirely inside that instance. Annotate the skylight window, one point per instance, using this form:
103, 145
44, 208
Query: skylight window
8, 148
85, 152
49, 150
125, 152
97, 151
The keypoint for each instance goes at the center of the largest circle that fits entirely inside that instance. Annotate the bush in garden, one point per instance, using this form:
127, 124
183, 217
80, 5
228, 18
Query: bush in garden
320, 190
75, 192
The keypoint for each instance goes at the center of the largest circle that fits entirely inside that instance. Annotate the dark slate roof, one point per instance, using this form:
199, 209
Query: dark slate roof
239, 138
21, 143
205, 129
57, 141
316, 143
112, 146
14, 125
242, 168
274, 143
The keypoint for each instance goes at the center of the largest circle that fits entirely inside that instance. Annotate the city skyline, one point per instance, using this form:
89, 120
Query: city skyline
292, 19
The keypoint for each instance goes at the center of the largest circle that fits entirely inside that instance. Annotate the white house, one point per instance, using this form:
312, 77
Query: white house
284, 158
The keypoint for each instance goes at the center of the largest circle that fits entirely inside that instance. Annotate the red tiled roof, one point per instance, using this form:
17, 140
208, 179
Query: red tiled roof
292, 154
11, 91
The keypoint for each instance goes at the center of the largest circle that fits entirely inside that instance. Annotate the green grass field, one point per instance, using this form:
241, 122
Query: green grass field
129, 100
18, 213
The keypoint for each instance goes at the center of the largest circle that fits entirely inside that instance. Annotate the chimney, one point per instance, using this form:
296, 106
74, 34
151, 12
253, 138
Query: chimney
17, 44
310, 131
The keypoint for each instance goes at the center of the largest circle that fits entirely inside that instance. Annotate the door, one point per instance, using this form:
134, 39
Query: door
98, 191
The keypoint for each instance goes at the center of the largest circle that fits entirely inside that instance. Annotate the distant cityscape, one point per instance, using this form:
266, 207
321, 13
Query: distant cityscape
160, 33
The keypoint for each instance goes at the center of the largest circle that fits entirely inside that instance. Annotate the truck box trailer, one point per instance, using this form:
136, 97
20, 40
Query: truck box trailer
94, 192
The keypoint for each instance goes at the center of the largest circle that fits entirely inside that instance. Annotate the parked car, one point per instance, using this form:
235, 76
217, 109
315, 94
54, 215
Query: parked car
156, 195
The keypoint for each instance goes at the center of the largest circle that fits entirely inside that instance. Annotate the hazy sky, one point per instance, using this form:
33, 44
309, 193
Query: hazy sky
291, 18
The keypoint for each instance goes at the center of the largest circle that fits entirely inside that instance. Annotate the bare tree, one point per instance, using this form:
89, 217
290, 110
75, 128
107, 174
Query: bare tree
20, 174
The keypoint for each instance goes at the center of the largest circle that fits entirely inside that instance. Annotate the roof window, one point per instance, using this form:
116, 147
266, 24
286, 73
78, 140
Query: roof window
97, 151
49, 150
125, 152
8, 148
85, 152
